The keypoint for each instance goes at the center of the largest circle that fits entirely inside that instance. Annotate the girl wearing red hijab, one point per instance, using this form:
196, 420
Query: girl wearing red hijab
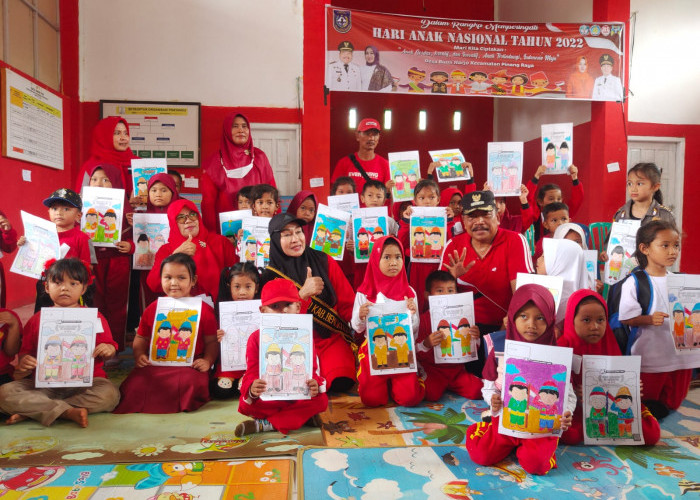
385, 278
237, 163
304, 206
531, 317
211, 252
587, 331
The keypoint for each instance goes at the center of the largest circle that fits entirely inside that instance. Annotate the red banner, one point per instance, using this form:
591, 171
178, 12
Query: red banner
373, 52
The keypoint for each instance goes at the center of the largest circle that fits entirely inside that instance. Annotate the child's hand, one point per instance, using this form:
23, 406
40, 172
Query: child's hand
27, 363
573, 172
257, 387
474, 332
641, 386
364, 310
449, 212
496, 403
104, 351
4, 223
130, 218
505, 322
201, 365
469, 167
240, 234
407, 213
566, 421
657, 319
540, 170
135, 200
411, 305
313, 387
432, 166
9, 318
599, 286
142, 361
312, 286
187, 247
433, 339
350, 245
21, 241
390, 185
603, 257
220, 335
487, 187
123, 246
524, 191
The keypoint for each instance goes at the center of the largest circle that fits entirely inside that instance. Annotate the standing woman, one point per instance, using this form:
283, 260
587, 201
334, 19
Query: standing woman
374, 75
236, 164
325, 293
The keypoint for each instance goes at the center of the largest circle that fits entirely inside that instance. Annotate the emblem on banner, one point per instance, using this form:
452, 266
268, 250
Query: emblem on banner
341, 20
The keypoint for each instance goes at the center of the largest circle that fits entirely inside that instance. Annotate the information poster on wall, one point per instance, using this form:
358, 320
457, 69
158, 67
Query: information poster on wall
169, 130
32, 121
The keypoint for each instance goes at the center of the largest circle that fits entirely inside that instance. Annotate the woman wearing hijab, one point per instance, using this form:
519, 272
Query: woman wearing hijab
373, 75
301, 208
211, 252
325, 291
563, 258
237, 163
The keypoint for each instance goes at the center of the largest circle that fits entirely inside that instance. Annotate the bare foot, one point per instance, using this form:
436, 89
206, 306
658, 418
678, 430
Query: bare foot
77, 415
14, 419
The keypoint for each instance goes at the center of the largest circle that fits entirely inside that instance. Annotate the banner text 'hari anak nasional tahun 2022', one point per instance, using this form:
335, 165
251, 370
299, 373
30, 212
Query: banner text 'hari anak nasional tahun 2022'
373, 52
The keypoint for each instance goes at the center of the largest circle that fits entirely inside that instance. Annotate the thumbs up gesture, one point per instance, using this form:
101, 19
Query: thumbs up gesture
312, 286
188, 247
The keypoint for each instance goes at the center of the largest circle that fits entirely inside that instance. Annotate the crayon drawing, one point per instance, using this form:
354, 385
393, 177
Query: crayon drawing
428, 228
390, 341
141, 172
231, 223
621, 248
330, 230
505, 168
450, 165
175, 331
238, 319
684, 300
255, 242
555, 284
453, 315
368, 225
102, 215
611, 400
345, 202
557, 147
405, 171
151, 231
535, 389
41, 245
286, 355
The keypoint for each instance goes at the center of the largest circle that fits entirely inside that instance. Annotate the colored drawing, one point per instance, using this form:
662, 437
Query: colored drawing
427, 232
557, 147
505, 168
238, 319
41, 245
231, 223
345, 202
621, 248
103, 209
684, 299
535, 389
450, 168
390, 340
591, 258
151, 231
405, 172
175, 331
330, 230
368, 225
141, 172
286, 355
611, 400
255, 243
554, 284
453, 315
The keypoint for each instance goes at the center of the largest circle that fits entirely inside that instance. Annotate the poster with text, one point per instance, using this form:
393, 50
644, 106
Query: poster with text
368, 224
505, 168
612, 408
141, 172
684, 300
453, 316
238, 319
390, 341
255, 243
450, 165
621, 248
231, 222
428, 233
330, 231
41, 245
404, 169
535, 389
555, 284
175, 331
65, 345
345, 202
151, 231
557, 147
103, 211
286, 355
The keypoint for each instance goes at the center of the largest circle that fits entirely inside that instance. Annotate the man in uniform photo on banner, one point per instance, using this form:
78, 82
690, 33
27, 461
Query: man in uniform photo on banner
343, 74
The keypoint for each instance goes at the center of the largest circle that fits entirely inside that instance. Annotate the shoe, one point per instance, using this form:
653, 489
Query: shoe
657, 409
248, 427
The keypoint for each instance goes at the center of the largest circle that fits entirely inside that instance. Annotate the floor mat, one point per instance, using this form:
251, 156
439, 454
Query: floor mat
206, 434
269, 479
442, 472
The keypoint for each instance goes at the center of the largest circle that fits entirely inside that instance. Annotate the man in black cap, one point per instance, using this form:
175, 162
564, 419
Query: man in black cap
344, 74
607, 87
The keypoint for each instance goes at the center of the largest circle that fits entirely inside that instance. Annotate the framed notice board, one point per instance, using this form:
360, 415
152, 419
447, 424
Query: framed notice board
169, 130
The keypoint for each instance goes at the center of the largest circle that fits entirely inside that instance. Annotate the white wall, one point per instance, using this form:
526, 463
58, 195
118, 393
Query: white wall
665, 72
217, 52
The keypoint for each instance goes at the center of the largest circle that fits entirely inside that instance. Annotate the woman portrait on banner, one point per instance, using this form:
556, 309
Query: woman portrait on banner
237, 163
375, 76
325, 293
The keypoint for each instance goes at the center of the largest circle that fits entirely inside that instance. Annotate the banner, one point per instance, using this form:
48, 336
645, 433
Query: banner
374, 52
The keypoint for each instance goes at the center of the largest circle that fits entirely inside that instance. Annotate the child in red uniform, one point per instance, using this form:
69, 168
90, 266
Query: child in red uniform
587, 331
304, 206
554, 215
278, 296
385, 280
65, 281
240, 282
530, 319
171, 389
448, 376
8, 243
10, 338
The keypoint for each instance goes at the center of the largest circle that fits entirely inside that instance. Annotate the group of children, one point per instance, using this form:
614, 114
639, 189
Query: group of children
388, 276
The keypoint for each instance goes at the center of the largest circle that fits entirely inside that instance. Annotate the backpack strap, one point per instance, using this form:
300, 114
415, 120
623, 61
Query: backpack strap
359, 168
645, 297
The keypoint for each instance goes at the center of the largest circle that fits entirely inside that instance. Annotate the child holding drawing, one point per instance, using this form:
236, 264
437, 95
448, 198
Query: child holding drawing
385, 279
279, 296
530, 319
171, 389
65, 281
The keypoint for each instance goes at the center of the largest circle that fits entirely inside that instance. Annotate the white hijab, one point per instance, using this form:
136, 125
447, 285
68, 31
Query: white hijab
561, 232
564, 258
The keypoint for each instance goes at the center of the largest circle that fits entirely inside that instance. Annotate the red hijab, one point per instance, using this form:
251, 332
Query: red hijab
396, 288
606, 346
113, 173
294, 205
170, 184
447, 194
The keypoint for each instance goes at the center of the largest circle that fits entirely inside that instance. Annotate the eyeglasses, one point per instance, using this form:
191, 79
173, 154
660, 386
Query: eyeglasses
183, 217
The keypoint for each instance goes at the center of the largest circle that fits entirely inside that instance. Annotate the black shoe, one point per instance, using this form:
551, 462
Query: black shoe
342, 384
657, 409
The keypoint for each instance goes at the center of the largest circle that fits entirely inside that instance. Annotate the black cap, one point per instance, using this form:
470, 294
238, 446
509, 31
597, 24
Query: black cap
66, 195
278, 222
606, 59
346, 46
478, 200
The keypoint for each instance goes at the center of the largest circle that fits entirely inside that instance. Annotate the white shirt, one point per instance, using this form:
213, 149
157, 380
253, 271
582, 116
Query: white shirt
338, 78
607, 88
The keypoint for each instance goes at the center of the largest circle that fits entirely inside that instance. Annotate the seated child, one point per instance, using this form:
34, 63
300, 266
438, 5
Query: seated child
587, 331
447, 376
553, 215
278, 296
385, 279
530, 319
65, 280
240, 282
171, 389
10, 338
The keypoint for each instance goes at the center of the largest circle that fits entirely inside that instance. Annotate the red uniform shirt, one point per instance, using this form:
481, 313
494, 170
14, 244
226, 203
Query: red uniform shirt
5, 360
78, 242
377, 169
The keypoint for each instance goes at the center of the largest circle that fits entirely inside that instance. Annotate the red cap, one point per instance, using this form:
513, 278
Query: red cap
279, 290
368, 124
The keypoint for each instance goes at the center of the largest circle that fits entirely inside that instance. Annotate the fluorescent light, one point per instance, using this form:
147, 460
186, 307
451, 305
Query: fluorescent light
387, 119
352, 118
422, 120
457, 120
